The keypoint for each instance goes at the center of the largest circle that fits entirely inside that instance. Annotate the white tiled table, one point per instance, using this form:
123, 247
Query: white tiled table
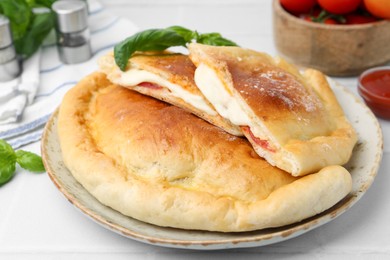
36, 221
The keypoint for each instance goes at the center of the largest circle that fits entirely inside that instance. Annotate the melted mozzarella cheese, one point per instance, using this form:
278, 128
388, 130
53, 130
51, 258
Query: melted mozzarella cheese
214, 90
133, 77
227, 106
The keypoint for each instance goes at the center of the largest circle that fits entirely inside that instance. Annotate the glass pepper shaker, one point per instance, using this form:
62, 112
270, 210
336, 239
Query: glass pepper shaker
10, 66
73, 36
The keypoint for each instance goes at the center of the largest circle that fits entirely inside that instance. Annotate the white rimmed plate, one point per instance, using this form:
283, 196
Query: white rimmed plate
363, 167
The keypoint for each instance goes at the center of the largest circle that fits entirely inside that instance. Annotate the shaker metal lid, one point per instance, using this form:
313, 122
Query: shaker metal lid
5, 32
72, 15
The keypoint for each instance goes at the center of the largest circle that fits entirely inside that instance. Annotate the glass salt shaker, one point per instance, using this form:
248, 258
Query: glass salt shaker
10, 66
73, 36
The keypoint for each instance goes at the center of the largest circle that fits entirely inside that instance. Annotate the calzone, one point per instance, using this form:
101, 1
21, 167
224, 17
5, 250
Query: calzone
293, 120
160, 164
168, 77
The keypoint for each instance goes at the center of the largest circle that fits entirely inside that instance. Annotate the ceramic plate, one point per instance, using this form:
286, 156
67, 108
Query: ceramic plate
363, 167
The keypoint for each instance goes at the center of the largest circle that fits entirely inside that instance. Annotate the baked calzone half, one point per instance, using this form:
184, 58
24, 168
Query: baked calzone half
168, 77
293, 120
160, 164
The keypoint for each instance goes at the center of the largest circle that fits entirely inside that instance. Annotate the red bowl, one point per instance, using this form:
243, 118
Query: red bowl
374, 87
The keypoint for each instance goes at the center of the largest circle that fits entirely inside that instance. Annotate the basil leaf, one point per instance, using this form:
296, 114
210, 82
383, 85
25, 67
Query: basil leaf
28, 29
19, 14
7, 162
9, 158
40, 27
30, 3
46, 3
149, 40
214, 39
187, 34
161, 39
6, 173
29, 161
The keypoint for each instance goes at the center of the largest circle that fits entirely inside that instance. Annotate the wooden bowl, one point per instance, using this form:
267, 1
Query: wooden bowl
336, 50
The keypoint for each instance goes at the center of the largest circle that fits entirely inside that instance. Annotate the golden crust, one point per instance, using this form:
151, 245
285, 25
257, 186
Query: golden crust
177, 69
159, 164
298, 114
254, 76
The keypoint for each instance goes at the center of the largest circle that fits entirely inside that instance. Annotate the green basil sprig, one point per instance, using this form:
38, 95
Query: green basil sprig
9, 158
29, 28
161, 39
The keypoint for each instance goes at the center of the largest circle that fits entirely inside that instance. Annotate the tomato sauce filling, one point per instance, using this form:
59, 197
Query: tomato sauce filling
263, 143
150, 85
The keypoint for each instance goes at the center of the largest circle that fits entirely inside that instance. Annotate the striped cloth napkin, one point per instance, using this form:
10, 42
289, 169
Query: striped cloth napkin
55, 78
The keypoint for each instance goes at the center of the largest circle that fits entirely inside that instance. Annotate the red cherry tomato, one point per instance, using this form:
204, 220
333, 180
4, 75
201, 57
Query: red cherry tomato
339, 6
307, 17
298, 6
330, 21
378, 8
359, 19
317, 15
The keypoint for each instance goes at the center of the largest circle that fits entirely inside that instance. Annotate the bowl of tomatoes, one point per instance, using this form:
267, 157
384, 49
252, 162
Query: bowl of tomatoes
338, 37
